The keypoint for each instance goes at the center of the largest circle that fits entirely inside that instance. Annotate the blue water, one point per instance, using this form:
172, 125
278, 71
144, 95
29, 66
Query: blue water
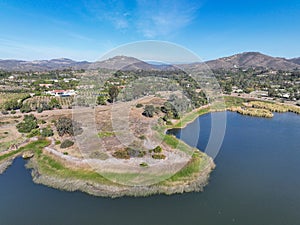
256, 182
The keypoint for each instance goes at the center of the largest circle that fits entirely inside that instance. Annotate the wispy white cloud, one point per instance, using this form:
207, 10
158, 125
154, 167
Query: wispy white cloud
113, 11
150, 18
162, 17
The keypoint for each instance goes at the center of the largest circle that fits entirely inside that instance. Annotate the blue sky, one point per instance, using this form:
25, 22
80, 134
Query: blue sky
86, 29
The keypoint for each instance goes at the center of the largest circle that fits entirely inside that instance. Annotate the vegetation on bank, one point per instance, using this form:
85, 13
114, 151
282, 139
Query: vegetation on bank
274, 107
198, 162
49, 166
45, 164
254, 112
33, 146
190, 117
231, 101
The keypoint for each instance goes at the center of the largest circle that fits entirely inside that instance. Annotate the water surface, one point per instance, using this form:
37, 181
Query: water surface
256, 182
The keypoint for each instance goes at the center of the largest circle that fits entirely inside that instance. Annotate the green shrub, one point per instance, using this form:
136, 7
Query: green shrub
158, 156
169, 122
41, 121
39, 110
128, 153
101, 100
4, 112
143, 164
12, 105
157, 149
29, 123
139, 105
12, 112
66, 125
149, 111
135, 153
66, 153
142, 137
57, 142
47, 132
25, 108
54, 104
66, 143
104, 134
34, 133
142, 154
121, 154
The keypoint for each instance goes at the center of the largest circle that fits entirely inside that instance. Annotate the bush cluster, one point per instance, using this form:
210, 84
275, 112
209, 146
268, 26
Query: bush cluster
66, 143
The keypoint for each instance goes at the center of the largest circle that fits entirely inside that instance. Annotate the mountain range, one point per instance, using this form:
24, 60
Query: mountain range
243, 60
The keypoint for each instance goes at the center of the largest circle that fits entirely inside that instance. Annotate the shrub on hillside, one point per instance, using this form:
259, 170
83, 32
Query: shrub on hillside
29, 123
25, 108
47, 132
65, 125
158, 156
157, 149
66, 143
149, 111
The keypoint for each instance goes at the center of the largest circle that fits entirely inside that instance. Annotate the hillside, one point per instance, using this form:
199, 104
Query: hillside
42, 65
243, 60
295, 60
252, 60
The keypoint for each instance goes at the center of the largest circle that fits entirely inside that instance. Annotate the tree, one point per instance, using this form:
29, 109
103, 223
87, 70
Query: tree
29, 123
12, 105
228, 89
65, 125
101, 100
66, 143
113, 92
25, 108
47, 132
54, 103
149, 110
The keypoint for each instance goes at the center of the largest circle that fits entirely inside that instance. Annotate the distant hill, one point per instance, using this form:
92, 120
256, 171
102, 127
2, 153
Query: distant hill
122, 63
42, 65
295, 60
252, 60
243, 60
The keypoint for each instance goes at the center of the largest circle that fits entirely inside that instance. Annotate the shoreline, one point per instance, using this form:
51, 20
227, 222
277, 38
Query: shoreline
5, 164
94, 184
114, 191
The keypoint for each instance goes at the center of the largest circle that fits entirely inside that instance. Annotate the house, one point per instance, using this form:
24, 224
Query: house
259, 94
286, 95
61, 93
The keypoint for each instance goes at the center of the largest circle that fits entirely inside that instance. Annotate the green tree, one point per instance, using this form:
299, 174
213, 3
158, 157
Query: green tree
65, 125
29, 123
149, 111
25, 108
113, 92
47, 132
101, 100
54, 103
12, 105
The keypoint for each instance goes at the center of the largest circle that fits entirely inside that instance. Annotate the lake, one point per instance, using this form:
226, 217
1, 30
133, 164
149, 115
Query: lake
256, 182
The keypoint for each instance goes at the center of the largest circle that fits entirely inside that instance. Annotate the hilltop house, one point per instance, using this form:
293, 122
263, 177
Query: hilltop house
61, 93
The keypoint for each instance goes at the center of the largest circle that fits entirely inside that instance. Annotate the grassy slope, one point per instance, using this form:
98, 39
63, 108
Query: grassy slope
33, 146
